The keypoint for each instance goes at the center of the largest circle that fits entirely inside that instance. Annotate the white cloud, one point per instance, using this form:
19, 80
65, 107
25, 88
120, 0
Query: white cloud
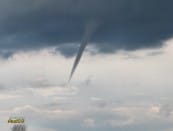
6, 96
107, 91
89, 122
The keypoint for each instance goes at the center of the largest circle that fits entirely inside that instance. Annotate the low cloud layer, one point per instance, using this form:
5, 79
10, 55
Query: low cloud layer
130, 91
129, 25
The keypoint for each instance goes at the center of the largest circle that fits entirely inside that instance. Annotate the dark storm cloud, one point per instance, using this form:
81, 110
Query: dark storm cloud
67, 50
6, 54
124, 24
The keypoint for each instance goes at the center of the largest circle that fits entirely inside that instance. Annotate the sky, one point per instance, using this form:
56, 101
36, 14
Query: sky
123, 81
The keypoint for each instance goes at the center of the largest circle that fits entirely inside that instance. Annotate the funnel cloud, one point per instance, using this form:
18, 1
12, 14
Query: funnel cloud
89, 30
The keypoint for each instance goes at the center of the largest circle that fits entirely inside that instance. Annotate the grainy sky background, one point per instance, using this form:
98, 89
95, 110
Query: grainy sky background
123, 82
